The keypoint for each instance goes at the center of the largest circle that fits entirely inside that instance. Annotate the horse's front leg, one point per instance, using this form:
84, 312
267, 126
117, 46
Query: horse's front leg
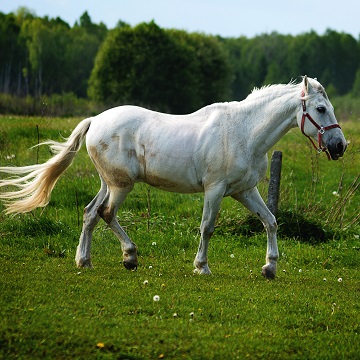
252, 200
212, 201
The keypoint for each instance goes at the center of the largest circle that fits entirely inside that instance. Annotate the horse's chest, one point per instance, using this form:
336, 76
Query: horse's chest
245, 174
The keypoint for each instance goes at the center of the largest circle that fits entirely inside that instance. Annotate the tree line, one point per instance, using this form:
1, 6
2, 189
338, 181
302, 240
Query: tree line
164, 69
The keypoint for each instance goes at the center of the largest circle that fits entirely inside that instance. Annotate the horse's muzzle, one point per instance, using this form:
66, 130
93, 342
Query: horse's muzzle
336, 147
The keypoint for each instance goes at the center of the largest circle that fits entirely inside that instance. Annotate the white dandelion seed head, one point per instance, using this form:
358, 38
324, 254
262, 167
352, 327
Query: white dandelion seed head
300, 270
146, 282
153, 243
340, 279
232, 256
156, 298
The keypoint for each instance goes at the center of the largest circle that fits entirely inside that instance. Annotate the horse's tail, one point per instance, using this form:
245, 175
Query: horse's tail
34, 189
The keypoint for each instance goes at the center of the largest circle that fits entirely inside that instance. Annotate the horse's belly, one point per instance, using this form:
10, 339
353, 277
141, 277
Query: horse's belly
172, 185
177, 175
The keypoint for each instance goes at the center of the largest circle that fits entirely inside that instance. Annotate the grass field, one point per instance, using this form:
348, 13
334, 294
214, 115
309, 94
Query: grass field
50, 309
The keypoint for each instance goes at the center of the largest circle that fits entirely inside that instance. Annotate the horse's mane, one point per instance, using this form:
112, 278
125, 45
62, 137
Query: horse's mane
271, 90
256, 91
275, 90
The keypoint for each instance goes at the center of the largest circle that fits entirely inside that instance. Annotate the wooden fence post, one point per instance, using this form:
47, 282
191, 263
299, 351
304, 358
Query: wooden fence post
274, 183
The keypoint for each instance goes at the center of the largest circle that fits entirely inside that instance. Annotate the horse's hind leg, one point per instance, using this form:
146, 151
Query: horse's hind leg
90, 219
107, 210
253, 201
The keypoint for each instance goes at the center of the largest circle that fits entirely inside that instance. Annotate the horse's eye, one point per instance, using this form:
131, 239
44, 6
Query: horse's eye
321, 109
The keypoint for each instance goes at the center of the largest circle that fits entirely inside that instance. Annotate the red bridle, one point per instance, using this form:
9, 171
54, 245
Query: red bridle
321, 129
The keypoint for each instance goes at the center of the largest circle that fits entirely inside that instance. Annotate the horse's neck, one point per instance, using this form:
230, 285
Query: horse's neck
275, 118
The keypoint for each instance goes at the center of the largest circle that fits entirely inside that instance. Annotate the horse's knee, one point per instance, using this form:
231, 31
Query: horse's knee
272, 226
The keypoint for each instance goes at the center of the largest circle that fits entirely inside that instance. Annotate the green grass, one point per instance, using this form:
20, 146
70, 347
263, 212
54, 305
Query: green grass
50, 309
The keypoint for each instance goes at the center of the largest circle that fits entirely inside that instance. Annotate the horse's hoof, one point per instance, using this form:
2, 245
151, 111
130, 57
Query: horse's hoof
269, 272
130, 266
203, 271
84, 264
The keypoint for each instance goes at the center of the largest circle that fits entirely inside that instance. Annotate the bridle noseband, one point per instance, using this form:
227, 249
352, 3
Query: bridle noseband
321, 129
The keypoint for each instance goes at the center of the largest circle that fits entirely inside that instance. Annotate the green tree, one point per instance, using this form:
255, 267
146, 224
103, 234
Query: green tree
207, 73
12, 59
275, 49
341, 60
248, 63
125, 70
164, 70
46, 56
80, 52
214, 68
46, 41
355, 92
305, 55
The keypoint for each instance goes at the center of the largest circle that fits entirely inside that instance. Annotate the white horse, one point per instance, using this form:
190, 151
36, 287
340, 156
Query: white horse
220, 150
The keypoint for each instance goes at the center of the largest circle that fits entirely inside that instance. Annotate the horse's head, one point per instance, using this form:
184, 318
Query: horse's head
317, 119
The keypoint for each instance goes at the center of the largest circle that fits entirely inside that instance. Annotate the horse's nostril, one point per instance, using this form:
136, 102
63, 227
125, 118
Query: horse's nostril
340, 148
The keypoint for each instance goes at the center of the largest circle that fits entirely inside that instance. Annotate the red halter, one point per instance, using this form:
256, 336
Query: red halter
321, 129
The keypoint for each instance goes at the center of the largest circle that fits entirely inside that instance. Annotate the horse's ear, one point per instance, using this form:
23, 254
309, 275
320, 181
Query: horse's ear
308, 89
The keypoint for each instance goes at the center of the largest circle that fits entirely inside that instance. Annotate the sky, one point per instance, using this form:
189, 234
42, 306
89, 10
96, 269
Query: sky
227, 18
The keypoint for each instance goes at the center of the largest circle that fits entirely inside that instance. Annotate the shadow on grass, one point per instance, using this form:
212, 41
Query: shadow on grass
53, 237
290, 225
32, 226
296, 225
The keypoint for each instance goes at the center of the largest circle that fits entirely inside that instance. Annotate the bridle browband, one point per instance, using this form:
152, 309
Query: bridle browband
321, 129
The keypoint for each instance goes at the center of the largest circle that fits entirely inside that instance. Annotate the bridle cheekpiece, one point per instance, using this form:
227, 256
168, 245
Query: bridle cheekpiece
321, 129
